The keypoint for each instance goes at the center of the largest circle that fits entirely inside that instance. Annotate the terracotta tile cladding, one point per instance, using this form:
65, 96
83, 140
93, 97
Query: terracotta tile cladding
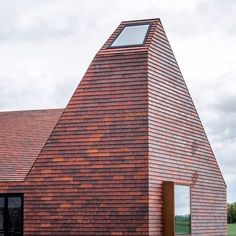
129, 126
22, 136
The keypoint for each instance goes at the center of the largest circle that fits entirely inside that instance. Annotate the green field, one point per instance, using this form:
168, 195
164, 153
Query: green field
182, 224
232, 230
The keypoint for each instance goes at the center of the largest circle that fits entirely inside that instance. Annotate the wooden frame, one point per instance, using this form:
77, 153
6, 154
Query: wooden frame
169, 208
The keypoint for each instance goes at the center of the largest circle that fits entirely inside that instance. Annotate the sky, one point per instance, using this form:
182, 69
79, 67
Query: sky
47, 45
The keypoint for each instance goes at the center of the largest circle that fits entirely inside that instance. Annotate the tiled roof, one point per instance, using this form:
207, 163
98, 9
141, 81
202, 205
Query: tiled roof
22, 136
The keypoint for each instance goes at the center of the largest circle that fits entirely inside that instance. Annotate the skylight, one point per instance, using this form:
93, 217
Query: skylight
131, 35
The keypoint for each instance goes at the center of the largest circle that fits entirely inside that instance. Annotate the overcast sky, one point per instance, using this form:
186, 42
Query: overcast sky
47, 45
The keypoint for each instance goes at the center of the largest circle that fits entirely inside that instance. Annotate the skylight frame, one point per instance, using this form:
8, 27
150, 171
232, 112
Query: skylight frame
132, 45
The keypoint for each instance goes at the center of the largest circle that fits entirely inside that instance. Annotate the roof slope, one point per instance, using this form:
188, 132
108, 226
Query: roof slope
22, 136
93, 170
179, 150
129, 126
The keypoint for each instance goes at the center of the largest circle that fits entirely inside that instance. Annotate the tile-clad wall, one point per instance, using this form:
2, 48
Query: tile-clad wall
11, 187
91, 176
178, 147
129, 126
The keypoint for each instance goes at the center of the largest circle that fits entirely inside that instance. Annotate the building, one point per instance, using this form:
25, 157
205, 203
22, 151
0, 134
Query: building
127, 156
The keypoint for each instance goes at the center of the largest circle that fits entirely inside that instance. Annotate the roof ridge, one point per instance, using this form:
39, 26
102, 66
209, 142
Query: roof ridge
33, 110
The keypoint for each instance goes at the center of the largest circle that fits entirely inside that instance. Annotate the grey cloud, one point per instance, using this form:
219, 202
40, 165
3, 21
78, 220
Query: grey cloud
217, 103
217, 13
71, 31
221, 126
33, 93
64, 90
227, 104
224, 128
40, 20
207, 17
226, 156
225, 107
35, 27
231, 191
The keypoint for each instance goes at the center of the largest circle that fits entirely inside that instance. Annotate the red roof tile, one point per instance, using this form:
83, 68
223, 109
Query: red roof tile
22, 136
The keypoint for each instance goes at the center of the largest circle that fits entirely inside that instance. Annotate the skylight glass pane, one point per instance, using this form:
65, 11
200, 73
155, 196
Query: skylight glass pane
131, 35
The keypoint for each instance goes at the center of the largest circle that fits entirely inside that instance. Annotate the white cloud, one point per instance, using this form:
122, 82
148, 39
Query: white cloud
46, 46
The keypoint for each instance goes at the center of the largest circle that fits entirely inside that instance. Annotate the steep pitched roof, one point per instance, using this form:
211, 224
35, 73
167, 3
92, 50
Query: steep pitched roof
22, 136
129, 126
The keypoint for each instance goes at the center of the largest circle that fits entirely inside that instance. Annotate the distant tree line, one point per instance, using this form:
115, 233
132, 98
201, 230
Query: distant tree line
231, 213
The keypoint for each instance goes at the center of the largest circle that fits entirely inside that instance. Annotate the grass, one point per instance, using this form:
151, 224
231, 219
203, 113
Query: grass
182, 224
231, 229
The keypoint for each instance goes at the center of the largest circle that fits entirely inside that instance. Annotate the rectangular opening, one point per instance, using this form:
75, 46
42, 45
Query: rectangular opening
131, 35
1, 216
11, 214
176, 209
182, 210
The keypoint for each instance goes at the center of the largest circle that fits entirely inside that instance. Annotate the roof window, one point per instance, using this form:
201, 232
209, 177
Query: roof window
131, 35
